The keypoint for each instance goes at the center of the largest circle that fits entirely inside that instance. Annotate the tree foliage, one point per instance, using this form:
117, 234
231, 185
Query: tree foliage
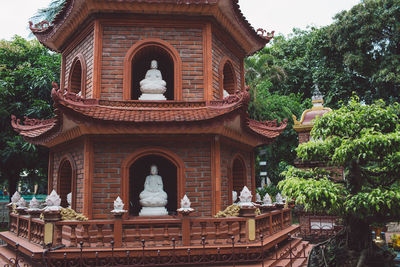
48, 13
365, 141
359, 52
265, 105
26, 72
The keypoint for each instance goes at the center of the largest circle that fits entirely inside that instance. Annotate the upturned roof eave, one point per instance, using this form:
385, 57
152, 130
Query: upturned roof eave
226, 12
223, 111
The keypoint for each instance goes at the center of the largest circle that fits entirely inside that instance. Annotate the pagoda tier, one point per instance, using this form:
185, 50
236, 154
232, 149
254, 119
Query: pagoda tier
76, 116
76, 13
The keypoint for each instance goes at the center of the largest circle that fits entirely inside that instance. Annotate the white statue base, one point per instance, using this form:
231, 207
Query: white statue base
153, 211
152, 97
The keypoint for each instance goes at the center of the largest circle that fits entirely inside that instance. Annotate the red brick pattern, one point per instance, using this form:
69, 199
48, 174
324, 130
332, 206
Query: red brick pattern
219, 51
85, 47
107, 172
118, 40
304, 137
228, 153
76, 151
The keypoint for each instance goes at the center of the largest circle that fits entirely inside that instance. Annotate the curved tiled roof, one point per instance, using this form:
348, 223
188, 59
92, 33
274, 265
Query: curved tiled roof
154, 112
142, 113
45, 31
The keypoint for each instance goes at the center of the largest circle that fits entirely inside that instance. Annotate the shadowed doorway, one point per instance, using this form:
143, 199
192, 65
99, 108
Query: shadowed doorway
138, 172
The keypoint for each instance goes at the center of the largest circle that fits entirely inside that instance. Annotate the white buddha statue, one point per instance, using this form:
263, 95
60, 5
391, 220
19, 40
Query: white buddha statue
153, 86
153, 198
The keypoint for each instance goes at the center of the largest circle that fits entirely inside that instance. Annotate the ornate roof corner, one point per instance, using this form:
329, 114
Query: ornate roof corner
44, 29
239, 97
33, 129
58, 94
268, 129
264, 39
39, 27
268, 36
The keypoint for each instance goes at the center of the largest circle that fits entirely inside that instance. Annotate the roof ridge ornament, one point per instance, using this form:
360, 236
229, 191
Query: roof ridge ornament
239, 96
39, 27
60, 94
264, 34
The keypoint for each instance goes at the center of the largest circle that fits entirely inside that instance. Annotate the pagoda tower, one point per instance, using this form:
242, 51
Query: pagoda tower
104, 138
150, 137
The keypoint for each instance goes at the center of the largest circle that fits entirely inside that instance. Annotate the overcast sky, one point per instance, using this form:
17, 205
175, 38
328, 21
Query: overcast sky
278, 15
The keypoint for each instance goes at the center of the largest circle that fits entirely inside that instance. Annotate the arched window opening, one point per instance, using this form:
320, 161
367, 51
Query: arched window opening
65, 182
138, 172
229, 78
77, 76
141, 63
238, 175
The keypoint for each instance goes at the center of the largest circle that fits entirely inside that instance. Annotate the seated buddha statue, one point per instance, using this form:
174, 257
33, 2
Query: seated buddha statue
153, 86
153, 198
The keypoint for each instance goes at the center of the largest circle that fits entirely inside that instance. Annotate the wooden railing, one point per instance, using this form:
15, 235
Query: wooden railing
27, 227
183, 231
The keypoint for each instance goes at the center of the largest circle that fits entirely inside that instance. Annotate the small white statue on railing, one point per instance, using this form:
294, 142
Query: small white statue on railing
258, 197
185, 206
279, 199
22, 203
267, 200
34, 204
118, 207
234, 196
15, 197
69, 199
245, 198
53, 202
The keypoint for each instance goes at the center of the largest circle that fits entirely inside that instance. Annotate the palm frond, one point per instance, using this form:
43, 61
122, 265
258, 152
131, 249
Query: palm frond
48, 13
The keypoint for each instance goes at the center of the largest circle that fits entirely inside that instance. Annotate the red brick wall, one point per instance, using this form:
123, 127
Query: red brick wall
219, 51
228, 153
118, 39
110, 155
304, 137
75, 150
85, 47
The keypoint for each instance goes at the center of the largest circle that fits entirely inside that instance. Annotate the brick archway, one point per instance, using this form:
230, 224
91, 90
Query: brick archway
227, 77
156, 43
66, 180
151, 151
77, 76
237, 175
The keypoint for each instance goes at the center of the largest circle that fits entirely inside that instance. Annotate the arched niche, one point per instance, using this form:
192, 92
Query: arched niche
238, 175
77, 76
137, 62
136, 167
66, 180
138, 172
227, 77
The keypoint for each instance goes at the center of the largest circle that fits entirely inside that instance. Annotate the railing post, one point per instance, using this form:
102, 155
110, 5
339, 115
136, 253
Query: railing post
249, 213
270, 224
282, 211
51, 234
184, 212
117, 230
18, 224
185, 230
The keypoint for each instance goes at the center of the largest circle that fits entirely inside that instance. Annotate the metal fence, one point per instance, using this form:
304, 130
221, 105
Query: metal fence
234, 256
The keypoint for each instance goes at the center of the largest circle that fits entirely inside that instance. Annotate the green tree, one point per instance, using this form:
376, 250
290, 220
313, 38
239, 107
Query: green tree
365, 140
26, 71
367, 39
359, 52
